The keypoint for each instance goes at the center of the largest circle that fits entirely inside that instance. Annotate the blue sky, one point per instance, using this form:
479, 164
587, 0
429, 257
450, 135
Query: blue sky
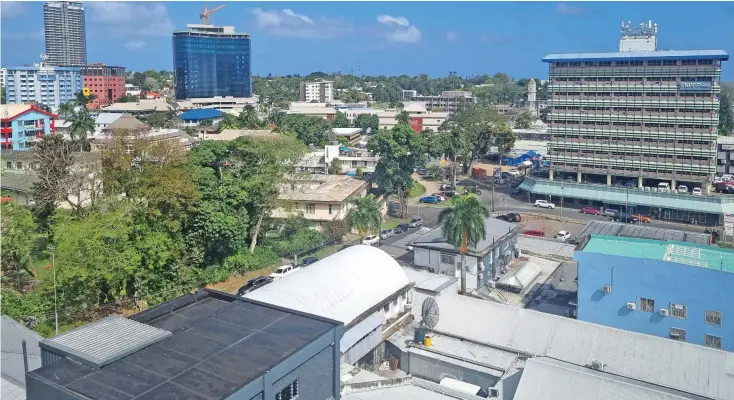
389, 38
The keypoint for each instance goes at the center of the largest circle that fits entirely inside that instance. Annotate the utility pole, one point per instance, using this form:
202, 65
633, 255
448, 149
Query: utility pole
492, 201
53, 266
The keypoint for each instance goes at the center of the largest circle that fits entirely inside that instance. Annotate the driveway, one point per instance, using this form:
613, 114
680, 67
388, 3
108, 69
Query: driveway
396, 246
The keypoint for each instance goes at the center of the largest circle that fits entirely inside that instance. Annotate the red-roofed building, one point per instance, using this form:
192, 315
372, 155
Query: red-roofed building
107, 83
23, 124
150, 95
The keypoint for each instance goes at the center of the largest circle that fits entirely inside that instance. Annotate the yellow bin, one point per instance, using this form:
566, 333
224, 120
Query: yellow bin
428, 341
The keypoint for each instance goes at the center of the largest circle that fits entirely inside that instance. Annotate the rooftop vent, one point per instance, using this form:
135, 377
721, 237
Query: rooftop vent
102, 342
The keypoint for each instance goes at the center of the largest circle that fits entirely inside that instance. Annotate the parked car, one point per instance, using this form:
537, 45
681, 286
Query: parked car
683, 189
514, 217
422, 171
503, 218
727, 189
370, 240
534, 232
387, 233
401, 228
440, 197
514, 172
446, 187
284, 271
642, 218
253, 284
544, 204
697, 191
591, 210
429, 200
610, 213
472, 189
722, 186
563, 235
416, 222
308, 261
448, 193
623, 217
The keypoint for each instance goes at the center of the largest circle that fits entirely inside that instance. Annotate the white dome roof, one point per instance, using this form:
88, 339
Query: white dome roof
342, 286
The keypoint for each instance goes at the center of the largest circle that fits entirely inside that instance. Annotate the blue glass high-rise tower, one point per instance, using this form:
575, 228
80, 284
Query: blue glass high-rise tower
210, 61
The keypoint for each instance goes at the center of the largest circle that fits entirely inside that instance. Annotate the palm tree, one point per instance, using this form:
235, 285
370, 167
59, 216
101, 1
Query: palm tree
82, 124
249, 119
365, 215
403, 117
66, 110
462, 225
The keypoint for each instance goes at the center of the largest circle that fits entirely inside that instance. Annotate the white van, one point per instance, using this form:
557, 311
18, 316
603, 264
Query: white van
683, 189
664, 187
464, 387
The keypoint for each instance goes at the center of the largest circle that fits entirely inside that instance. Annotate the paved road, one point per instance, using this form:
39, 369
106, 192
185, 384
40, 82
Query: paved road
504, 203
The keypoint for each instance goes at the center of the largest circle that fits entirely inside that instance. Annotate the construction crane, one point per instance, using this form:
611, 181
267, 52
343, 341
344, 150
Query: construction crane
207, 13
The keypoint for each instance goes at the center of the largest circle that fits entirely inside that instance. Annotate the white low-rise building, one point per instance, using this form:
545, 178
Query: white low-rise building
361, 286
420, 118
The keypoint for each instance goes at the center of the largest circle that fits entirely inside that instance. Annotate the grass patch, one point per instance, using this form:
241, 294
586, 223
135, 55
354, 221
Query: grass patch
417, 190
392, 222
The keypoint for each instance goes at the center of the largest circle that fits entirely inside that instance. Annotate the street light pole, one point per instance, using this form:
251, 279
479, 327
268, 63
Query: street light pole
53, 267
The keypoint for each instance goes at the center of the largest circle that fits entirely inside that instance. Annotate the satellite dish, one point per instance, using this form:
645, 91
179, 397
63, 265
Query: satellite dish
429, 313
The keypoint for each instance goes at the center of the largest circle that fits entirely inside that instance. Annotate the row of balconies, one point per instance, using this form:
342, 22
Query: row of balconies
629, 141
646, 172
631, 159
673, 70
712, 113
641, 129
636, 102
672, 96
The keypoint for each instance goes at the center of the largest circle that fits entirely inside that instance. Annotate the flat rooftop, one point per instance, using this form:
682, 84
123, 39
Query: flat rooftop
672, 251
218, 343
608, 228
323, 188
640, 55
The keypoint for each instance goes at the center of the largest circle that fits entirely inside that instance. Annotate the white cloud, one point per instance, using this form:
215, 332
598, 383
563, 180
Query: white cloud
567, 9
10, 9
451, 36
289, 23
401, 31
130, 20
135, 44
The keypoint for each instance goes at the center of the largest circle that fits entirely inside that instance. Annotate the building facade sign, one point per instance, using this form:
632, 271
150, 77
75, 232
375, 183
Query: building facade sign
695, 86
727, 147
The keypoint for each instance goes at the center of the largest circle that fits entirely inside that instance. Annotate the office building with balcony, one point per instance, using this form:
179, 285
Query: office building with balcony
666, 288
211, 61
636, 118
65, 33
105, 82
450, 101
23, 124
51, 86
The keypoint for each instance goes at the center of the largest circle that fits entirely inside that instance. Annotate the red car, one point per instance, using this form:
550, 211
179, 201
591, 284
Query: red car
534, 232
591, 210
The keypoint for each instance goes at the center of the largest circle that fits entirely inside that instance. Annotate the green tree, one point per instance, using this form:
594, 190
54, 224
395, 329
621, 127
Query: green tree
368, 122
726, 119
365, 215
462, 225
128, 98
249, 119
403, 118
543, 115
310, 130
474, 130
524, 120
335, 168
229, 121
435, 171
401, 151
82, 124
66, 110
162, 119
341, 120
17, 227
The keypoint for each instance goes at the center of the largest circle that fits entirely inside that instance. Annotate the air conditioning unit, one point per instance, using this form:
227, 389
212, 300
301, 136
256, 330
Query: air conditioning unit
493, 393
597, 365
606, 289
664, 312
492, 284
631, 306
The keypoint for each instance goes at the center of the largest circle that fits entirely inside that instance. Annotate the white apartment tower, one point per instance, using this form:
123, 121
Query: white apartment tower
532, 93
65, 32
318, 92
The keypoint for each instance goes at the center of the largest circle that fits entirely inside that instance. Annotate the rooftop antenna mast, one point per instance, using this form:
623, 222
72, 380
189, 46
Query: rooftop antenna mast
207, 13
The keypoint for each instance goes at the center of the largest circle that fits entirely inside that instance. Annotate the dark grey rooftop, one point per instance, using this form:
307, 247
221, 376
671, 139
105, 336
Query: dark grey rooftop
219, 344
643, 232
495, 229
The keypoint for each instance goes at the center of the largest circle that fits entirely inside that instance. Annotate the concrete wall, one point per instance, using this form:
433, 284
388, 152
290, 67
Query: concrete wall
433, 370
698, 288
432, 259
315, 377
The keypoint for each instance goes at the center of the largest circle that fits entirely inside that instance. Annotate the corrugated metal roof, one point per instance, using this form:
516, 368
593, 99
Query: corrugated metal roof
107, 118
495, 230
201, 113
405, 392
621, 196
357, 332
10, 389
609, 228
105, 341
544, 246
639, 55
683, 366
541, 378
342, 286
13, 334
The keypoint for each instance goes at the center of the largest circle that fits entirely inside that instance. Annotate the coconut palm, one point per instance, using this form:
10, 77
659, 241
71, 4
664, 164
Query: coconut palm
66, 110
403, 117
365, 215
462, 225
82, 124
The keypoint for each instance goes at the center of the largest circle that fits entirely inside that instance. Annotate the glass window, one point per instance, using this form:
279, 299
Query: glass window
678, 311
678, 334
447, 259
310, 208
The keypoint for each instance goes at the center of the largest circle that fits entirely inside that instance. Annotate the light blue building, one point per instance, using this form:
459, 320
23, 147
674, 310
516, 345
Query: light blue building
51, 86
678, 290
22, 124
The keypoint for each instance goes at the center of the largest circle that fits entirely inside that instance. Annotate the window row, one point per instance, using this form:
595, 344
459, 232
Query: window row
591, 138
636, 94
708, 340
711, 317
636, 109
631, 170
633, 63
655, 79
633, 124
624, 154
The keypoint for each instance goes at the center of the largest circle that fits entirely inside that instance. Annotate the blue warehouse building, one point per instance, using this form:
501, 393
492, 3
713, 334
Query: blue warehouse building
207, 345
678, 290
211, 61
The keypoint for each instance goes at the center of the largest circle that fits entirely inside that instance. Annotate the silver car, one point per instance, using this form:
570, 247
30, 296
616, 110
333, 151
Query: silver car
416, 222
386, 233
